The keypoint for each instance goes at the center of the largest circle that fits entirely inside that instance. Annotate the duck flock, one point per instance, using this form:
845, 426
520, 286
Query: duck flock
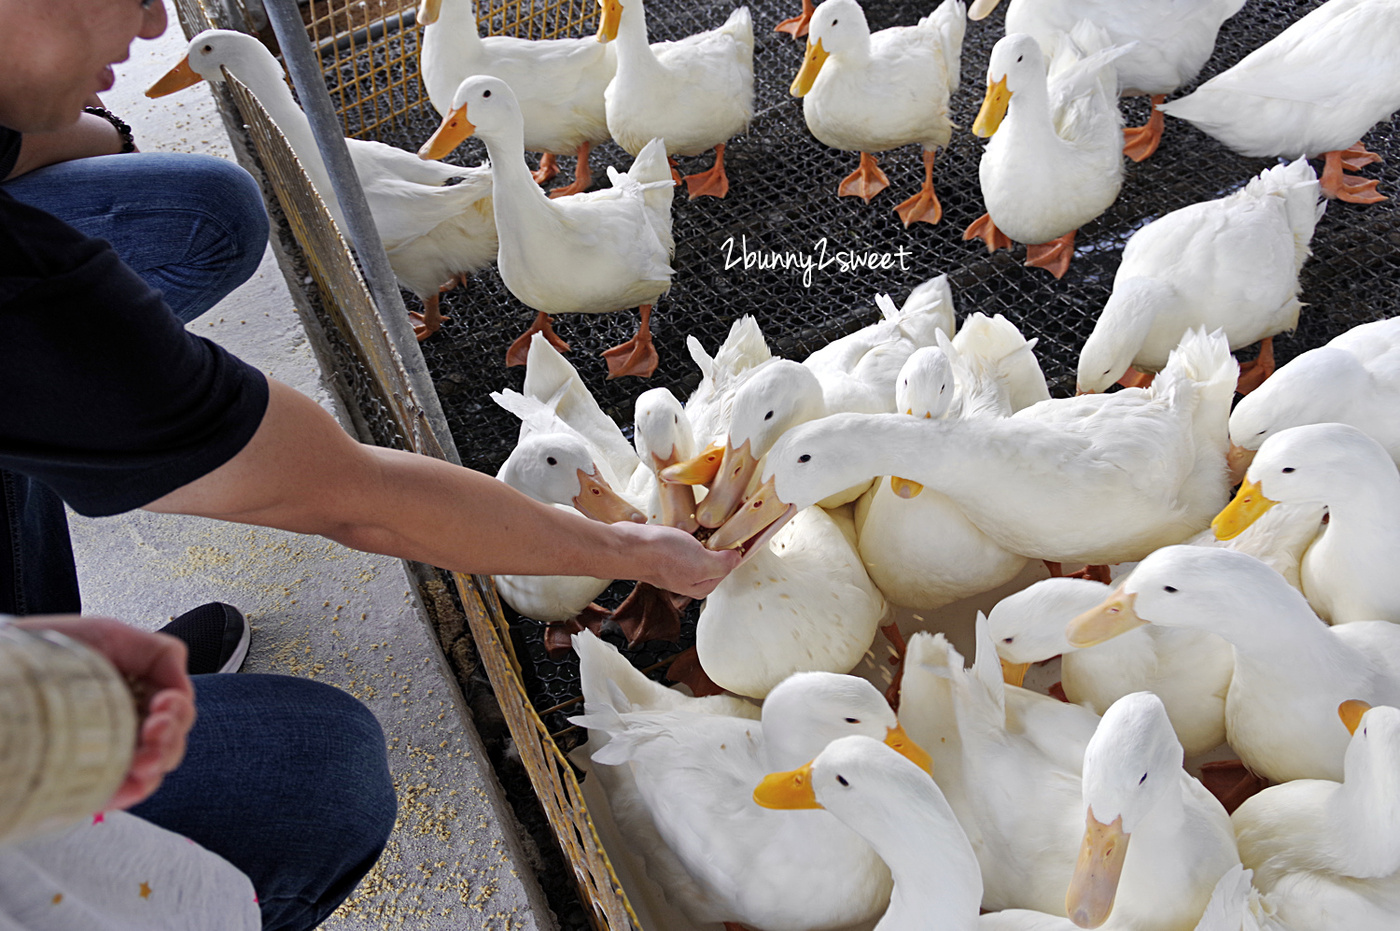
1201, 549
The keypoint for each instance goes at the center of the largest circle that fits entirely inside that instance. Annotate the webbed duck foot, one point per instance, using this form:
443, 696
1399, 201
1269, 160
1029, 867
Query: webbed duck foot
896, 639
1339, 185
1093, 574
865, 182
712, 183
1358, 157
638, 355
685, 669
984, 229
583, 176
1252, 374
549, 167
457, 280
648, 613
1141, 141
430, 320
1057, 692
1231, 782
1053, 256
1132, 378
923, 206
676, 178
558, 635
519, 350
797, 26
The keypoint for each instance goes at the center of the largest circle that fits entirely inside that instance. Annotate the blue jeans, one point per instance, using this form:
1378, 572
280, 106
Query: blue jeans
194, 227
309, 804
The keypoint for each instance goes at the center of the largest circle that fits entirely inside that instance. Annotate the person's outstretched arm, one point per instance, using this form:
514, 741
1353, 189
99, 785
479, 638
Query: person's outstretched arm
302, 472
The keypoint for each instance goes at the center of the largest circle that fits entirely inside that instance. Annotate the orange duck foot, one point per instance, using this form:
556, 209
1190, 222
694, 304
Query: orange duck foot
519, 350
685, 669
1093, 574
892, 693
1252, 374
558, 635
428, 322
1339, 185
712, 183
638, 355
865, 182
1141, 141
896, 639
984, 229
1358, 157
648, 613
923, 206
1053, 256
549, 167
797, 26
1132, 378
458, 279
1231, 782
583, 176
1057, 692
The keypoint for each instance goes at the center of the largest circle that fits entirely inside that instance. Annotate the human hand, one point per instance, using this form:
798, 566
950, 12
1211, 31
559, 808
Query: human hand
154, 668
674, 560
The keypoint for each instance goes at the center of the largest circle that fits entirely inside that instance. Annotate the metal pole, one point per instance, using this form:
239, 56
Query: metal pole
310, 84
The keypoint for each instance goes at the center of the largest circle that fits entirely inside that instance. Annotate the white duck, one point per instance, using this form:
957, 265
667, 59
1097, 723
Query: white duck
431, 232
1155, 841
694, 93
1328, 853
1346, 572
589, 253
1291, 669
918, 545
711, 405
1354, 379
558, 469
1314, 89
1231, 263
854, 373
558, 82
680, 784
1188, 670
1093, 479
1055, 157
803, 601
1168, 43
864, 92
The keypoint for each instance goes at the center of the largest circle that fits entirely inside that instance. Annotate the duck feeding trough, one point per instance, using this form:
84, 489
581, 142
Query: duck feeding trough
780, 246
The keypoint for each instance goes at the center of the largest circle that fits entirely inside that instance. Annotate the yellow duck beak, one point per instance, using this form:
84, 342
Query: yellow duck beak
698, 471
760, 516
792, 790
728, 485
905, 487
1113, 617
1092, 889
428, 12
811, 64
1014, 673
981, 9
455, 130
1237, 460
610, 19
993, 108
1351, 713
176, 79
597, 500
1247, 507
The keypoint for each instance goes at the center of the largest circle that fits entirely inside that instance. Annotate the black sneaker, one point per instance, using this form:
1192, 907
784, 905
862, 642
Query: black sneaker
216, 635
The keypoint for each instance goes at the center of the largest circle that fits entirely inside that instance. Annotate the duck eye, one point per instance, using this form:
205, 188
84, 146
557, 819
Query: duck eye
208, 48
1143, 779
1169, 589
485, 94
853, 720
551, 460
1289, 469
804, 457
842, 779
1019, 57
1008, 639
768, 416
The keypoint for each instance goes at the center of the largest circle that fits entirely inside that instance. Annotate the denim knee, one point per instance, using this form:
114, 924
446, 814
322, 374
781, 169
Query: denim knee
231, 248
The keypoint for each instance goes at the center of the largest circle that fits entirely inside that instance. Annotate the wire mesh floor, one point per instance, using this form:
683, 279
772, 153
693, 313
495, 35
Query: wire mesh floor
783, 198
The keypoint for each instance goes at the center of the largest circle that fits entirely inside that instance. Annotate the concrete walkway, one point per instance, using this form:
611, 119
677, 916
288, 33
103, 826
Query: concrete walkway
317, 609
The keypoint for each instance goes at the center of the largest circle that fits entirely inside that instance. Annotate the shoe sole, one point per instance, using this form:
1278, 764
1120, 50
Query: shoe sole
240, 652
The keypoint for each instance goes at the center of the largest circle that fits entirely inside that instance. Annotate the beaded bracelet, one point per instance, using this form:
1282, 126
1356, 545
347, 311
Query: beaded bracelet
123, 130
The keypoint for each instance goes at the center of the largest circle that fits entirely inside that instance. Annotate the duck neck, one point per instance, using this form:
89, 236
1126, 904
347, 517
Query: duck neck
1371, 499
1363, 816
452, 38
937, 883
267, 84
515, 195
1028, 114
634, 54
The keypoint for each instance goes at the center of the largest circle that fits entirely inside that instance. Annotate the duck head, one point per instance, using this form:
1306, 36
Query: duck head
557, 468
1015, 60
482, 105
838, 28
